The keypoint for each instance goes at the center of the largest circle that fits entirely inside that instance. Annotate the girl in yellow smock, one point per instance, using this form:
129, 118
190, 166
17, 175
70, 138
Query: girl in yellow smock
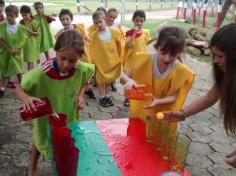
169, 79
105, 54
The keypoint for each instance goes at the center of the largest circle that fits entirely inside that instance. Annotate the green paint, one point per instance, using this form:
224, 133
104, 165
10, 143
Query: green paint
95, 157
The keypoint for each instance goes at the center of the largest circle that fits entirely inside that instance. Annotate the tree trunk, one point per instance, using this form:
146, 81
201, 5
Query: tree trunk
224, 10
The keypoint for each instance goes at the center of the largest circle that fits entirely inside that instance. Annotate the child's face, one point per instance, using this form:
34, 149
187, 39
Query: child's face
1, 8
111, 16
26, 16
66, 21
100, 23
11, 17
165, 59
39, 9
138, 21
66, 59
219, 58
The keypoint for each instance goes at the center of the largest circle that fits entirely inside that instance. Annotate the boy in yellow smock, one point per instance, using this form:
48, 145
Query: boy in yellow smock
105, 54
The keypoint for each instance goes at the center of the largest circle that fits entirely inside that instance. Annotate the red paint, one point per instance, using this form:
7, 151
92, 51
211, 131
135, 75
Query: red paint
127, 142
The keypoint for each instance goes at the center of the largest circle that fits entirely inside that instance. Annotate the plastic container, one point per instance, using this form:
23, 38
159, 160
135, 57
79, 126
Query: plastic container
142, 92
42, 108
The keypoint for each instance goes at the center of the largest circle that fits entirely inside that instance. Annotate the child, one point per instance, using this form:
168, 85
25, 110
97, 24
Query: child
105, 54
169, 79
31, 48
65, 75
12, 40
2, 5
46, 37
66, 17
137, 40
111, 15
223, 46
93, 27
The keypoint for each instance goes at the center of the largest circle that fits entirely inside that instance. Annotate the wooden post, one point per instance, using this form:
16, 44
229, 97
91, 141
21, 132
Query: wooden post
204, 13
136, 4
194, 11
78, 5
179, 7
122, 12
150, 4
185, 9
219, 8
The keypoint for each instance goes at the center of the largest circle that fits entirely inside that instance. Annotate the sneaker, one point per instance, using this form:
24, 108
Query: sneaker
113, 86
110, 102
103, 102
126, 102
2, 92
90, 94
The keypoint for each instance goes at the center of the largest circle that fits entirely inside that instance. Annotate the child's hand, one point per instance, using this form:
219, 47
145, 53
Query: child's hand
174, 116
80, 102
231, 159
130, 84
155, 102
28, 104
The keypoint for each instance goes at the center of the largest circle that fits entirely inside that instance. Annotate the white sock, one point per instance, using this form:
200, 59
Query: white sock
2, 88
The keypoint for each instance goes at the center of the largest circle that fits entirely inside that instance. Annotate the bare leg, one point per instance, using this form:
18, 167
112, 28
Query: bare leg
46, 55
107, 89
30, 65
101, 90
32, 170
19, 77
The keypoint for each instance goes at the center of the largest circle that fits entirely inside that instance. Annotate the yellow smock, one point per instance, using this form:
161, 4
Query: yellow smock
140, 45
105, 56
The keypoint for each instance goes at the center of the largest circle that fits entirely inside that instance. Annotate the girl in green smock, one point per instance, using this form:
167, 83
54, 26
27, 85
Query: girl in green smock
12, 40
63, 80
46, 41
31, 49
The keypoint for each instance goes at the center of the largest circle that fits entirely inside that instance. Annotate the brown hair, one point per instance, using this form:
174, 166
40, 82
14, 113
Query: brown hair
112, 10
225, 40
171, 40
38, 4
98, 14
12, 9
102, 9
70, 39
66, 12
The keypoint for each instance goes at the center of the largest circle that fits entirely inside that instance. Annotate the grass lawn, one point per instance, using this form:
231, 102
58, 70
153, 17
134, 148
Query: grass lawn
153, 25
54, 6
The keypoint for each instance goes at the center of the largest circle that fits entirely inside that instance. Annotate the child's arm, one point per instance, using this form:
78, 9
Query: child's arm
35, 33
10, 50
128, 82
162, 101
151, 40
130, 43
28, 101
118, 46
79, 101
